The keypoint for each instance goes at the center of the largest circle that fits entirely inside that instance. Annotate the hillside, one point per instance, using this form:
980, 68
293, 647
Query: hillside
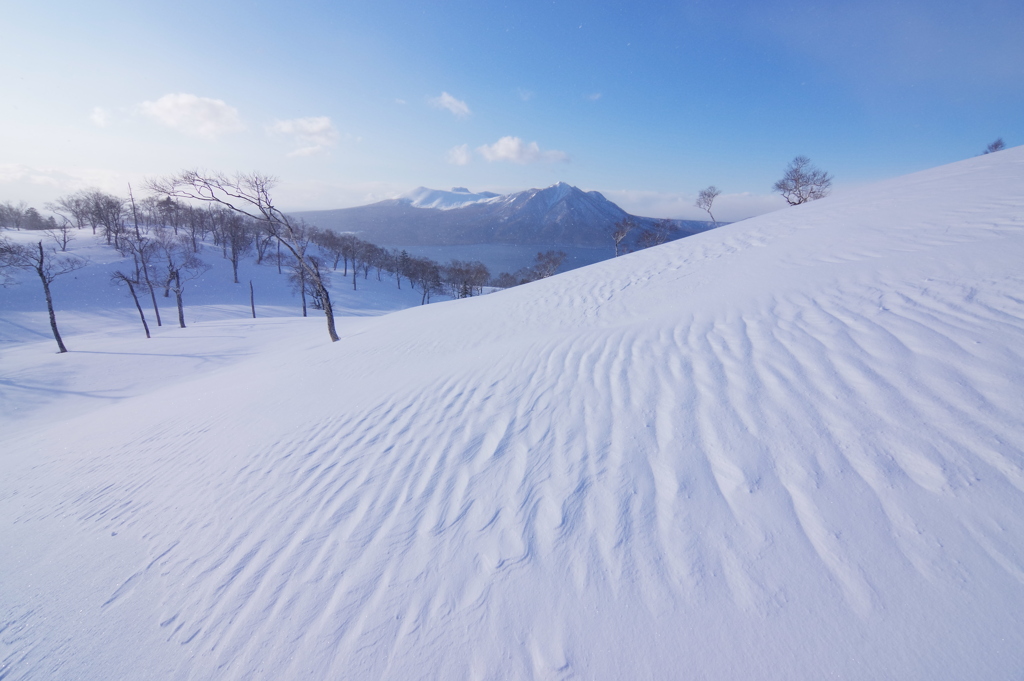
788, 448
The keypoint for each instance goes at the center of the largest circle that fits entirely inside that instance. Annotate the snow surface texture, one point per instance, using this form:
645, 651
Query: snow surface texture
790, 448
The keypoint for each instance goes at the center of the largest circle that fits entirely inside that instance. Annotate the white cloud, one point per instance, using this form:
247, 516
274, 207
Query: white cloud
459, 155
525, 95
594, 96
99, 117
515, 150
312, 135
401, 101
39, 185
456, 106
195, 116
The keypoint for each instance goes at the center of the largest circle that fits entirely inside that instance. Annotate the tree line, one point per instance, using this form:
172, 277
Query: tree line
162, 237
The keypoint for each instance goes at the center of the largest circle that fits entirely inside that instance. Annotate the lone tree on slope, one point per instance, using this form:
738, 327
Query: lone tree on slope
249, 194
802, 182
706, 198
620, 230
998, 145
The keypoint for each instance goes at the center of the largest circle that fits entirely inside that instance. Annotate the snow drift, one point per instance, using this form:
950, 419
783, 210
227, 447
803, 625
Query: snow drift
789, 448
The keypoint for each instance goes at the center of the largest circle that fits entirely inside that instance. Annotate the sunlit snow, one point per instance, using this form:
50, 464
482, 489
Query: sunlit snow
789, 448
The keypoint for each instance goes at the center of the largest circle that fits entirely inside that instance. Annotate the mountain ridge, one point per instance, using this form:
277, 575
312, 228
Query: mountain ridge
560, 214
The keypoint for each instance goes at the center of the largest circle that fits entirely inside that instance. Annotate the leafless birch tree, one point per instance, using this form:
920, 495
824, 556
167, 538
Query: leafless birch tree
706, 198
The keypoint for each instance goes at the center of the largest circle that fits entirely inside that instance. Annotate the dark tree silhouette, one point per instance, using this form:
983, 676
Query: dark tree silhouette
802, 182
998, 145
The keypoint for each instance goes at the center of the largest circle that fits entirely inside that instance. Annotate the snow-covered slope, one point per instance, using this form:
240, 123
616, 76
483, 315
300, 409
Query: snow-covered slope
423, 197
790, 448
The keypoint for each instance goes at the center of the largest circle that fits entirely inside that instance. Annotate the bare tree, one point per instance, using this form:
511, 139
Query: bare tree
465, 278
297, 278
802, 182
74, 208
119, 277
143, 249
621, 230
236, 236
547, 263
261, 240
248, 194
12, 216
706, 198
661, 232
302, 284
61, 233
332, 245
998, 145
107, 211
6, 261
182, 266
48, 265
427, 275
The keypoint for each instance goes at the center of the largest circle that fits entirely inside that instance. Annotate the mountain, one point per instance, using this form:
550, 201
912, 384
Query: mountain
557, 215
422, 197
790, 448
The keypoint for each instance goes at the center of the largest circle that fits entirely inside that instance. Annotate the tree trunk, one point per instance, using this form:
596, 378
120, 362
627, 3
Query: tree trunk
152, 293
49, 300
329, 312
252, 300
138, 307
353, 277
177, 296
234, 264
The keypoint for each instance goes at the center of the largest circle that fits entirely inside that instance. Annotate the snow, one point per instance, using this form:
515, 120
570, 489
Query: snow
788, 448
422, 197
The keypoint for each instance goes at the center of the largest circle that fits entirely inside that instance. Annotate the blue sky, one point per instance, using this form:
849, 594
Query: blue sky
351, 102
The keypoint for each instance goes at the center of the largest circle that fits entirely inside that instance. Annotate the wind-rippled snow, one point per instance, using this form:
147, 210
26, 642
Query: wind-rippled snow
788, 448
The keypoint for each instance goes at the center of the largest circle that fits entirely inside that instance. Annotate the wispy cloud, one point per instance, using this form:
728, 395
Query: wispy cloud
525, 95
445, 101
515, 150
311, 135
99, 117
459, 155
39, 185
193, 115
594, 96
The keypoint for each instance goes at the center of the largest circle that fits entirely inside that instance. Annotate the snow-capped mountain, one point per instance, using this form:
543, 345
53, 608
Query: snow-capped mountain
559, 214
424, 197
